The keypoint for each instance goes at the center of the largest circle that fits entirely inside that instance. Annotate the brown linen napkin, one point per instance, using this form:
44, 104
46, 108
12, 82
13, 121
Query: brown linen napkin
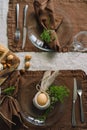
46, 16
3, 125
9, 106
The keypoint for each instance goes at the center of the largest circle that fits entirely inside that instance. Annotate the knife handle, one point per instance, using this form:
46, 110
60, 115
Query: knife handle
17, 9
25, 14
81, 110
73, 115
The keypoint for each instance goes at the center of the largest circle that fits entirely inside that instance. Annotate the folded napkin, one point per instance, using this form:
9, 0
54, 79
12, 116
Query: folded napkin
45, 14
9, 105
48, 79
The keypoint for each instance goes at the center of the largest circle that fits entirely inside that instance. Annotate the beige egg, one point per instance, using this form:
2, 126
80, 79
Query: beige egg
27, 65
27, 57
10, 57
42, 99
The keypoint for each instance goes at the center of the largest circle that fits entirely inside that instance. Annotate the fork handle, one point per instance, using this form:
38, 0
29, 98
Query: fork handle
73, 115
81, 110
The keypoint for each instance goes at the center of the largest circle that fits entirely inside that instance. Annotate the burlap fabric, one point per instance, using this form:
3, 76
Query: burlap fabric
24, 91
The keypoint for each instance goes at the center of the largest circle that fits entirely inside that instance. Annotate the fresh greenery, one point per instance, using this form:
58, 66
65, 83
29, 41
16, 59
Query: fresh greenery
46, 36
57, 94
9, 91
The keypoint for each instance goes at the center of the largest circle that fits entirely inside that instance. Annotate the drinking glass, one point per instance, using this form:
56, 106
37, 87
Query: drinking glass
80, 42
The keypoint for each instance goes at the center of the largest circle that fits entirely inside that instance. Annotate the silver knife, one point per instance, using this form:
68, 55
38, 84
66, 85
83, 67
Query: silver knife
24, 26
74, 101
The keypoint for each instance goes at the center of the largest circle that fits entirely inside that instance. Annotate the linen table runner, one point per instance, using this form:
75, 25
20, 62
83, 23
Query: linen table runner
75, 20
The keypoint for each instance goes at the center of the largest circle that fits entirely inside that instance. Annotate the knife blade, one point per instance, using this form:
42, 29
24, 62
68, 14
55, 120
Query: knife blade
24, 26
74, 101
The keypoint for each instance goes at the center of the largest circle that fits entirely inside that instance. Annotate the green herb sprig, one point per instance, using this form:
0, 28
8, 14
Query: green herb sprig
46, 36
58, 93
9, 91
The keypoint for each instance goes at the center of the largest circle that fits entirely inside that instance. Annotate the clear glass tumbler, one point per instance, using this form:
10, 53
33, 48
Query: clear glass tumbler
79, 43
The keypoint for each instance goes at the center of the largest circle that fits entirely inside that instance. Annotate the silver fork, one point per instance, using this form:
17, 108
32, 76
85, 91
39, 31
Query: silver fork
17, 33
79, 91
